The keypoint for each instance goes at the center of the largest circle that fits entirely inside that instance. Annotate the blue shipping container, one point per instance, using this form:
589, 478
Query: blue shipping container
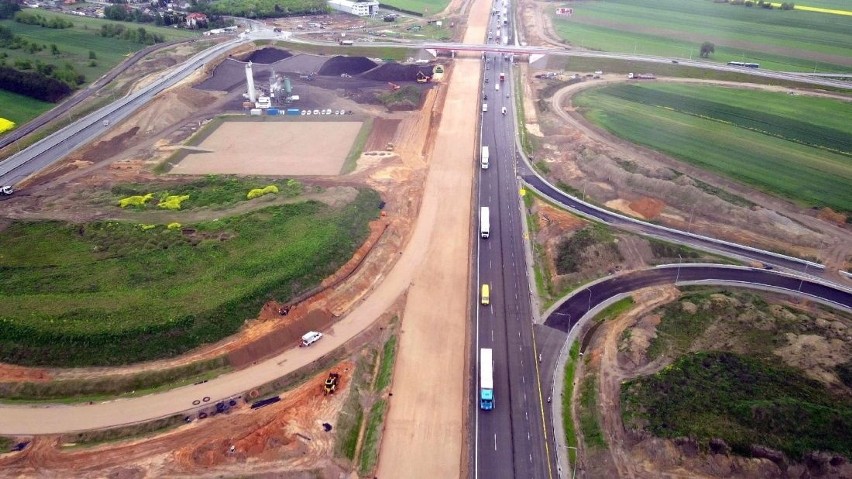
292, 111
272, 111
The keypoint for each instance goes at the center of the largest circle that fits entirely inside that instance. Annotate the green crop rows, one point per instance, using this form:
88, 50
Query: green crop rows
794, 146
112, 292
741, 400
783, 40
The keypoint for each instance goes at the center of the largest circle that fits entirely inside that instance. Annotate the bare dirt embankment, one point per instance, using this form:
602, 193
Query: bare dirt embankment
285, 436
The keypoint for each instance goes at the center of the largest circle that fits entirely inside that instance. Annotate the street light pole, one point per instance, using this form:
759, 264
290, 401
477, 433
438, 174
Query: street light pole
573, 466
679, 261
802, 279
589, 308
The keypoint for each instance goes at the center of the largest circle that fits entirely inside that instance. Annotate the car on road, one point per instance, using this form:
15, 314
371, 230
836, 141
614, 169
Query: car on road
486, 294
310, 338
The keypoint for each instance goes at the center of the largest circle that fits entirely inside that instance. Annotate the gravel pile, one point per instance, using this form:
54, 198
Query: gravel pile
396, 72
349, 65
268, 55
301, 63
227, 76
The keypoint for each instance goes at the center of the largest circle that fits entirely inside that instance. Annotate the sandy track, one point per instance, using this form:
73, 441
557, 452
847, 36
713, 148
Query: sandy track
426, 410
425, 420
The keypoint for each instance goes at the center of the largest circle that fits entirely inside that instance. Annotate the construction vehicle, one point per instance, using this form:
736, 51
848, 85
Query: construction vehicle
7, 190
389, 147
422, 78
330, 385
393, 86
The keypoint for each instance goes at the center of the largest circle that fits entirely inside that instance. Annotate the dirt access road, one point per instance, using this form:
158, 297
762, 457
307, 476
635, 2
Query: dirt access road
425, 423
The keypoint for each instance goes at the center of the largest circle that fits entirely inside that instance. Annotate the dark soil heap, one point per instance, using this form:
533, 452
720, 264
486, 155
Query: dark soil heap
268, 55
349, 65
396, 72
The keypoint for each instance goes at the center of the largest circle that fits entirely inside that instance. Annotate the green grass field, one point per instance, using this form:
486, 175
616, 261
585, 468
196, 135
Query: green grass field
778, 40
797, 147
835, 4
114, 293
425, 7
21, 109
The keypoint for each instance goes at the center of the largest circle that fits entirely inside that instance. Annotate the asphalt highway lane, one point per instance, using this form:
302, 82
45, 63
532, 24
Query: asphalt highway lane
511, 438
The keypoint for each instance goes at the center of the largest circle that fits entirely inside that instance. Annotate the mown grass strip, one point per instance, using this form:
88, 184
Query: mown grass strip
589, 417
615, 309
357, 147
567, 394
386, 365
372, 438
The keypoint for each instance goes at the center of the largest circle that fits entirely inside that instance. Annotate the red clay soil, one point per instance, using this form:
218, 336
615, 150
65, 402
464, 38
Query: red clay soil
285, 436
649, 208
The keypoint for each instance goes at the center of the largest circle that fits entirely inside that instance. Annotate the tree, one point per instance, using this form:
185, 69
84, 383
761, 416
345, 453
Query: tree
54, 49
706, 49
92, 55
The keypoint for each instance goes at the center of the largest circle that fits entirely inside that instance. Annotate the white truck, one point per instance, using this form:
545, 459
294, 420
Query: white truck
483, 159
7, 190
485, 107
484, 222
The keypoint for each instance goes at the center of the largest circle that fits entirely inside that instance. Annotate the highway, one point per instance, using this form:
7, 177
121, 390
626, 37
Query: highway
511, 439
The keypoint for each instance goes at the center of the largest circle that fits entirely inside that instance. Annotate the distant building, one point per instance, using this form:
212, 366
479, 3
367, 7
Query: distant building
196, 20
361, 9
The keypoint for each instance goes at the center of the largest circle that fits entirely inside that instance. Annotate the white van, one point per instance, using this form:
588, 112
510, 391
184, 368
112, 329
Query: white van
497, 86
310, 338
485, 107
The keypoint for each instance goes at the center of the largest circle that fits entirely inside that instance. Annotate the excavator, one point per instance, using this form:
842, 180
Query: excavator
393, 86
422, 78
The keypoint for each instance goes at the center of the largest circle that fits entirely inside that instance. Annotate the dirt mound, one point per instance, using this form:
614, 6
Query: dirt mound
268, 55
647, 207
348, 65
396, 72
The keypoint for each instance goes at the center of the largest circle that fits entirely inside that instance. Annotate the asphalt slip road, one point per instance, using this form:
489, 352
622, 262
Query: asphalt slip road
510, 439
568, 313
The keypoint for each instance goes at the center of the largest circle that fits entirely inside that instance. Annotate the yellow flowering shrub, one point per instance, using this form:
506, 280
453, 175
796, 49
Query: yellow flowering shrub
147, 227
172, 202
6, 125
173, 226
257, 192
135, 200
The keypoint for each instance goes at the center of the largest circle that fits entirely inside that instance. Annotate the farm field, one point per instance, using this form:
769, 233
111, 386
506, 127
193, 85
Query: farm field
20, 108
778, 40
74, 45
797, 147
121, 292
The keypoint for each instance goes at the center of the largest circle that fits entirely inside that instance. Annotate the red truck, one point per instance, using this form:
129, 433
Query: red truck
502, 76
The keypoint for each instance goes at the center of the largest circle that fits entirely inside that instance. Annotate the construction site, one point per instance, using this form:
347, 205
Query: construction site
240, 117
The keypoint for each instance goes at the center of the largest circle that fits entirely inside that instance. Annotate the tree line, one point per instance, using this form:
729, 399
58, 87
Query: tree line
34, 84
